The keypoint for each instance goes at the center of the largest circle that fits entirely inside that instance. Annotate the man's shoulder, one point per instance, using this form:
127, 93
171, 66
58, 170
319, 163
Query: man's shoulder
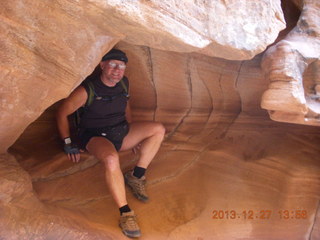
89, 79
89, 83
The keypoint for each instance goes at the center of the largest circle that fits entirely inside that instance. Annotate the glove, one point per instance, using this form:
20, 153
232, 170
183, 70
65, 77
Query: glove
71, 149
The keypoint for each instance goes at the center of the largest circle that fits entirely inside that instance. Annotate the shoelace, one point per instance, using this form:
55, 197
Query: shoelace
140, 185
131, 222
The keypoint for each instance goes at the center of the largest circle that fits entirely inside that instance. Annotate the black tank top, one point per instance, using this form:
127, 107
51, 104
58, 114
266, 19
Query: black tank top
108, 107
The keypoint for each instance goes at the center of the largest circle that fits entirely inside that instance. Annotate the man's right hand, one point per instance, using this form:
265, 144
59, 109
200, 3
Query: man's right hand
73, 152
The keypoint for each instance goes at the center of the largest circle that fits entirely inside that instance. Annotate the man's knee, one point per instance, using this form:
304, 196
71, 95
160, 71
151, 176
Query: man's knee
111, 161
159, 129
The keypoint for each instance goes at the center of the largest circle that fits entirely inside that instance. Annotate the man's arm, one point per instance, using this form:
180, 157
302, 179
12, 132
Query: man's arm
75, 100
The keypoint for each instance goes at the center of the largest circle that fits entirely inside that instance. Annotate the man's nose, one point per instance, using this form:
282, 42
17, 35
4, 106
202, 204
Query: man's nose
116, 68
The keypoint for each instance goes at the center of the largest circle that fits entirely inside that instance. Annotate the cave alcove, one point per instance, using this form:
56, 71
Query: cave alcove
216, 132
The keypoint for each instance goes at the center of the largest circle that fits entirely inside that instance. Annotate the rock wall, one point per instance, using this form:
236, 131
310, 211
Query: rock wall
53, 52
194, 66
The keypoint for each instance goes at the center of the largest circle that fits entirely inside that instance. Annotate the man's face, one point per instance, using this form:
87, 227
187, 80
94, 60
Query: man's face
113, 70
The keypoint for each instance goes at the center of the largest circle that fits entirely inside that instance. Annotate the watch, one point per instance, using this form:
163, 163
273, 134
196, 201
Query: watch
67, 140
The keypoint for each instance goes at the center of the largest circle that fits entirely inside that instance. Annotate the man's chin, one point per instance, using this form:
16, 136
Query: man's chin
115, 80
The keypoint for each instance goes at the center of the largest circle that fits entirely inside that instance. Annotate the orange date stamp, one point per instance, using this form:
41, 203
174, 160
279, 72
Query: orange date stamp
265, 214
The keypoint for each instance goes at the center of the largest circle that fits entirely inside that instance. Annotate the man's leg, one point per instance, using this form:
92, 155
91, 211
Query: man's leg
104, 150
150, 135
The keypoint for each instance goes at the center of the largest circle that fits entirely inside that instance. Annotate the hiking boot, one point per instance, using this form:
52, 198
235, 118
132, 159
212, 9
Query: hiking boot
128, 224
137, 186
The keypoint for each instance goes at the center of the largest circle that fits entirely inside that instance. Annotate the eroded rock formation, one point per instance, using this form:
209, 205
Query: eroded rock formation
293, 68
221, 152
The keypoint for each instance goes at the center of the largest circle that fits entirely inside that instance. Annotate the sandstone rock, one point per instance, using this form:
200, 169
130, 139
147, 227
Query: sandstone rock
217, 28
54, 45
23, 216
292, 65
299, 3
222, 152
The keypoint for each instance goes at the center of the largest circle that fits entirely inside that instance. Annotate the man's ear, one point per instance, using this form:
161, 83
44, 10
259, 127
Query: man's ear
102, 64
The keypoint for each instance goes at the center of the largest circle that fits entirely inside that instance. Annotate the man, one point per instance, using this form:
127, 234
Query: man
106, 128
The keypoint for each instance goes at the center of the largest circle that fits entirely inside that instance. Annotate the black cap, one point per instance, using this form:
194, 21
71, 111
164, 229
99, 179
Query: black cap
115, 54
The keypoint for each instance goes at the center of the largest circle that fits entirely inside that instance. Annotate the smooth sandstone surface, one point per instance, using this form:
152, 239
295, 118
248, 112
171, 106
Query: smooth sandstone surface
221, 154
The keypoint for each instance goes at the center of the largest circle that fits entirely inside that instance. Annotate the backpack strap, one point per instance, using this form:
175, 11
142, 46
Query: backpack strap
88, 85
90, 91
124, 86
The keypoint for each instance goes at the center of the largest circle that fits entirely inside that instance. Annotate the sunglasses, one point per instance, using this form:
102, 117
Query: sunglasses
114, 65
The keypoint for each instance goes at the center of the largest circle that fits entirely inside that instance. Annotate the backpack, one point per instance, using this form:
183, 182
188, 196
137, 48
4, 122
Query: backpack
76, 116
